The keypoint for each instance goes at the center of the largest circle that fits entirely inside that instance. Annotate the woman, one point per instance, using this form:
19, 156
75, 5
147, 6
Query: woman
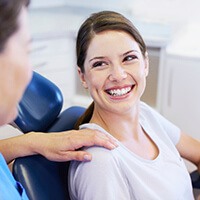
113, 65
15, 74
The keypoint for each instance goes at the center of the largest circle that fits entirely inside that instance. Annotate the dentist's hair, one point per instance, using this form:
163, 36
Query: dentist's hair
98, 23
9, 12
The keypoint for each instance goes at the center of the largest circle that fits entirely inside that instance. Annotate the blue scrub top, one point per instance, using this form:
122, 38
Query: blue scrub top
10, 189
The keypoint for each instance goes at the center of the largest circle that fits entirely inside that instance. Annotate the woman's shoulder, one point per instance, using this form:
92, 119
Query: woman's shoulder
145, 107
96, 175
149, 112
103, 162
100, 157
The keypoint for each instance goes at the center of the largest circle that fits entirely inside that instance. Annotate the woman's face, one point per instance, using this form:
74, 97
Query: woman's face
15, 70
115, 71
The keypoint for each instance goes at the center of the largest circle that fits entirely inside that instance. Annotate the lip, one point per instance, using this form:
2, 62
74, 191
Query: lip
119, 87
126, 87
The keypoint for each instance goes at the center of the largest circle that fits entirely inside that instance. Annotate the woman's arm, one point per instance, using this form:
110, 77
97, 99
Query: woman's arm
189, 148
100, 179
55, 146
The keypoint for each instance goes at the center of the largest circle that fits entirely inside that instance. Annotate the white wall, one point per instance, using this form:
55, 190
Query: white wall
173, 11
99, 4
177, 13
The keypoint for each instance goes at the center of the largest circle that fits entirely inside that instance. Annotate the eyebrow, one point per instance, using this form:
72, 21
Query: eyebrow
98, 57
129, 52
101, 57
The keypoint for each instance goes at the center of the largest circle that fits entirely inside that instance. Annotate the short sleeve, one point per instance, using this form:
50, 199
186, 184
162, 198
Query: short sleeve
172, 130
101, 178
160, 123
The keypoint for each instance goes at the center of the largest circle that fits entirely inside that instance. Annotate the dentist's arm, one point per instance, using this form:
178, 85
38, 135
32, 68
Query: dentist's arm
61, 146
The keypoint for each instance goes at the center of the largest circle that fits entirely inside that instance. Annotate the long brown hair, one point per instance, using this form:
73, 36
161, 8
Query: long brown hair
97, 23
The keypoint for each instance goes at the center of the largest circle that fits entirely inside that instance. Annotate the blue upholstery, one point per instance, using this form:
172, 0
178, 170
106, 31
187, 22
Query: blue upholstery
44, 179
40, 105
41, 178
67, 119
39, 110
195, 177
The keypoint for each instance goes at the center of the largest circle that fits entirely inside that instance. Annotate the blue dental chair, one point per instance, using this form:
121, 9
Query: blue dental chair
39, 110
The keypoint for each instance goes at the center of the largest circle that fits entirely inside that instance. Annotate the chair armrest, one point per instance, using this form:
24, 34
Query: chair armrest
42, 179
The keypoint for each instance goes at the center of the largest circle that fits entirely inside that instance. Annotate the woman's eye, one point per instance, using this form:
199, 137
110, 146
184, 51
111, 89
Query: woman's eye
130, 58
98, 64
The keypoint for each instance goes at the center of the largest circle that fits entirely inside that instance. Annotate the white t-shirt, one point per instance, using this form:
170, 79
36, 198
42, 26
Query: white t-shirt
120, 174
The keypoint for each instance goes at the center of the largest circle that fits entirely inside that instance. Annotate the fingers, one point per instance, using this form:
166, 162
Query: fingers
65, 146
90, 137
104, 140
71, 155
80, 156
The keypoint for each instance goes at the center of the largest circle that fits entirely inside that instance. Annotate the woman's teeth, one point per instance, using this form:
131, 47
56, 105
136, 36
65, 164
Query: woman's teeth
119, 92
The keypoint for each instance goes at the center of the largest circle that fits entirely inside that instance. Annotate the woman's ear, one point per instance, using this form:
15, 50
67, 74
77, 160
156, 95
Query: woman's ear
146, 62
82, 78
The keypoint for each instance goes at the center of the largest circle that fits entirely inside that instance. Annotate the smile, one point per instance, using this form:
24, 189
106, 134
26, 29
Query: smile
119, 92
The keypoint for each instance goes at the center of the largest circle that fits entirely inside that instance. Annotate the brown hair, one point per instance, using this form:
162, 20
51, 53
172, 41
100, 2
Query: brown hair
9, 11
97, 23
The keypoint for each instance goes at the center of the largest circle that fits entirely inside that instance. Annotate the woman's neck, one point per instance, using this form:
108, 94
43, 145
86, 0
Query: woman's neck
122, 126
126, 128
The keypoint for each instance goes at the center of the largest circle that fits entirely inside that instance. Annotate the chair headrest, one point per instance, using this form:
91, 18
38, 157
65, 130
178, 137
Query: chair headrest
39, 106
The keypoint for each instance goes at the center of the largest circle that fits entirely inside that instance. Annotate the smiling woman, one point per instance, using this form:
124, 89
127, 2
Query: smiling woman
110, 72
113, 65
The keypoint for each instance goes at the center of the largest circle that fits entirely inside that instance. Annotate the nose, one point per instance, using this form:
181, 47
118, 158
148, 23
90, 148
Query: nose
117, 73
